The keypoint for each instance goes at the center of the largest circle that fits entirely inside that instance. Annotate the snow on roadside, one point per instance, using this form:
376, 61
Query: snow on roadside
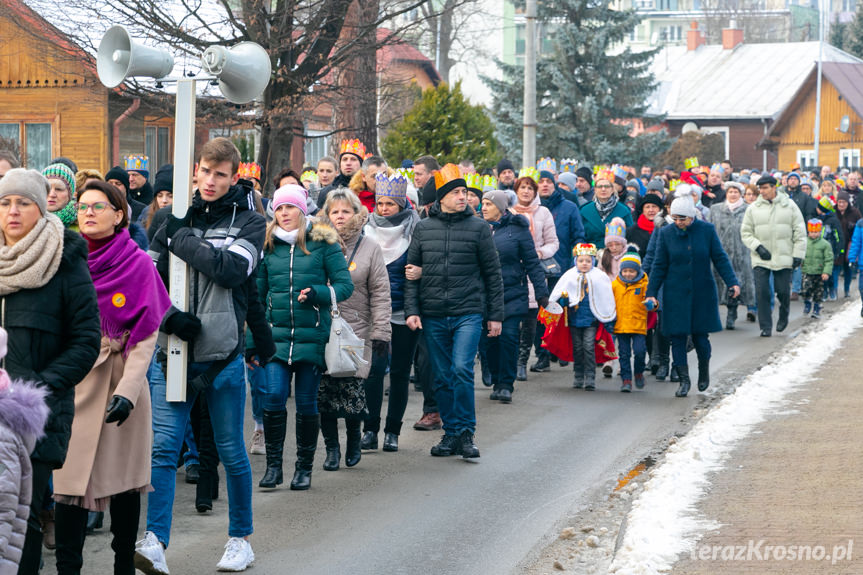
663, 523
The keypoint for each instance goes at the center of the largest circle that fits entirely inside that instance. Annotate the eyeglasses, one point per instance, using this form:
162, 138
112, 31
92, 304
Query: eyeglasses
98, 207
603, 186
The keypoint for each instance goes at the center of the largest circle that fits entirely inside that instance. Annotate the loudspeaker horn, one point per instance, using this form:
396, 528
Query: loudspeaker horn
243, 70
119, 57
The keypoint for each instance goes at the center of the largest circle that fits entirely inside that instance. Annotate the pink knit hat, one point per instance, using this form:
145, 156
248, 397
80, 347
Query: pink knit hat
293, 195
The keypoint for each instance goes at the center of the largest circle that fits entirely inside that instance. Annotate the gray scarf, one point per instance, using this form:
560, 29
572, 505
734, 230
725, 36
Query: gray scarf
605, 208
34, 259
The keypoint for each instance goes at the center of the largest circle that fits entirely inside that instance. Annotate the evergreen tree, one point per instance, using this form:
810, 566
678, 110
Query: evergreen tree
587, 88
445, 125
838, 30
854, 33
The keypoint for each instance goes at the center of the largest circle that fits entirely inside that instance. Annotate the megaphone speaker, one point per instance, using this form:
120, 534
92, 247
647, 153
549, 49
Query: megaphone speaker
119, 58
243, 70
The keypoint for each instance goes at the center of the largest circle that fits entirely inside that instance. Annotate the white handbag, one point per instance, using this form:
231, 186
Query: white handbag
344, 351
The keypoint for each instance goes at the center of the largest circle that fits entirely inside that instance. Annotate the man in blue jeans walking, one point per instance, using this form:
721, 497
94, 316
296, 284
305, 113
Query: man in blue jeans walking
220, 238
460, 288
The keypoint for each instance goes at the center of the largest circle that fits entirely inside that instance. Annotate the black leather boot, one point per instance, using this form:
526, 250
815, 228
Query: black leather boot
662, 372
275, 423
682, 372
674, 378
125, 515
204, 492
308, 427
352, 449
521, 372
330, 431
703, 375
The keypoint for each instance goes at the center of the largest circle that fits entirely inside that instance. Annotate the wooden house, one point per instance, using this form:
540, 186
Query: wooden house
792, 136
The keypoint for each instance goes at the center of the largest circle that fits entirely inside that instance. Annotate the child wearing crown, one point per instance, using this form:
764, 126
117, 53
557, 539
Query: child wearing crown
591, 300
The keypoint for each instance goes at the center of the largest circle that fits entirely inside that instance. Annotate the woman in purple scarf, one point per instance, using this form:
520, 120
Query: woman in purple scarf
108, 462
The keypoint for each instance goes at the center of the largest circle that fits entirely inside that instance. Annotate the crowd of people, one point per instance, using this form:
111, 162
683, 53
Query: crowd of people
432, 267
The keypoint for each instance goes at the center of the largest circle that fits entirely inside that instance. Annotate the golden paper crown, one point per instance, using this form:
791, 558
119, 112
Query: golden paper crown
354, 147
249, 170
598, 168
584, 250
672, 185
529, 172
604, 174
136, 163
309, 175
449, 174
473, 181
691, 163
489, 182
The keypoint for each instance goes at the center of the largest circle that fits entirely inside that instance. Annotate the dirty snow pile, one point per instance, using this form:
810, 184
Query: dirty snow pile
662, 523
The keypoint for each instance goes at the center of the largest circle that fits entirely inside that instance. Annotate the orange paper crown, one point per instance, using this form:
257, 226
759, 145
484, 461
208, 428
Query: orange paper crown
250, 170
447, 179
354, 147
607, 175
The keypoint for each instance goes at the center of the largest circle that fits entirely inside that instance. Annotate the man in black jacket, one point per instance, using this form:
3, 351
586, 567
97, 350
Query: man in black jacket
461, 286
220, 238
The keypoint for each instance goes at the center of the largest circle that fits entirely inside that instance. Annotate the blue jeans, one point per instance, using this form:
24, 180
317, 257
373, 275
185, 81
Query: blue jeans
307, 380
797, 280
258, 388
155, 374
226, 400
452, 344
502, 352
628, 344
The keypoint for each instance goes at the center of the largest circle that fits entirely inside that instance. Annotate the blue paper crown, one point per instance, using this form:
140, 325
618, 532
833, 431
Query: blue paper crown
568, 165
619, 172
547, 164
395, 186
136, 163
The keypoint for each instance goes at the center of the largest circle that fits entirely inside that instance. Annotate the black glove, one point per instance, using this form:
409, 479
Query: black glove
174, 223
118, 410
543, 301
251, 354
797, 262
763, 253
311, 294
184, 325
380, 348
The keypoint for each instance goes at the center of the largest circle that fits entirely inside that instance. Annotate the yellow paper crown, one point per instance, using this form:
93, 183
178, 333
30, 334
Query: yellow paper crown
354, 147
447, 174
473, 181
309, 175
598, 168
584, 250
605, 174
489, 182
672, 185
529, 172
408, 173
691, 163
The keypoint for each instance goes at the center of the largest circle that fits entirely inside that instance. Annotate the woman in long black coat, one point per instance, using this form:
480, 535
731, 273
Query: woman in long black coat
684, 253
49, 308
518, 262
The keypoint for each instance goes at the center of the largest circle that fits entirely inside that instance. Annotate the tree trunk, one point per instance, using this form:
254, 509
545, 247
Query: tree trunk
357, 107
445, 42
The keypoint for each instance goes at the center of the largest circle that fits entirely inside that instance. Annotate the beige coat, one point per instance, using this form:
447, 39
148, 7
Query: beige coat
113, 459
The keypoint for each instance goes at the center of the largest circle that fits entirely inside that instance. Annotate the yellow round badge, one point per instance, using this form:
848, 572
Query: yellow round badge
118, 299
352, 267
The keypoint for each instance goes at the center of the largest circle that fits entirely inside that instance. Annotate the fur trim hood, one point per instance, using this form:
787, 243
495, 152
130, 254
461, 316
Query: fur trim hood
352, 230
23, 410
323, 232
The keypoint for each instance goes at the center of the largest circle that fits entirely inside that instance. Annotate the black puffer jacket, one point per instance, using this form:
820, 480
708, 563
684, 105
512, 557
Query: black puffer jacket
54, 339
518, 262
461, 269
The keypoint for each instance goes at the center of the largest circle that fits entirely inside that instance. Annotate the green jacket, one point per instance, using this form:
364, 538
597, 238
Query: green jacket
819, 257
779, 227
301, 330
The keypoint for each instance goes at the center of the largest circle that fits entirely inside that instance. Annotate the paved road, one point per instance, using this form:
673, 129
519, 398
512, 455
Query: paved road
551, 450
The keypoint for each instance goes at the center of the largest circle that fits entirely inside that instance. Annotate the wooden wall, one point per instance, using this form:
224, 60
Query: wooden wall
41, 81
798, 133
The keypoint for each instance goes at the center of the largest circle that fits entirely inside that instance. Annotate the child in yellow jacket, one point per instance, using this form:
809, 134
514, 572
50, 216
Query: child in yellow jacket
630, 288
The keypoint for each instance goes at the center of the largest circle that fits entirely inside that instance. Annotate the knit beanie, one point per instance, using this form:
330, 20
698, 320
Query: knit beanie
293, 195
504, 165
630, 261
651, 199
656, 185
586, 173
568, 179
633, 184
119, 174
27, 183
683, 206
546, 174
794, 175
498, 198
843, 195
63, 173
615, 231
164, 181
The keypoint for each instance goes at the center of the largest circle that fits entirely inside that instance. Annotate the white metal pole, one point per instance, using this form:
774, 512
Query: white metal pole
528, 153
184, 149
817, 135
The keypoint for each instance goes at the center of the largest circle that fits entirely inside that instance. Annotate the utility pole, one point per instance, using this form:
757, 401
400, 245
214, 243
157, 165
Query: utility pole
817, 135
528, 150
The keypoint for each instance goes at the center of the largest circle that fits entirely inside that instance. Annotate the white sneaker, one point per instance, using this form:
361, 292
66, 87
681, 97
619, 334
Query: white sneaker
258, 447
238, 555
150, 555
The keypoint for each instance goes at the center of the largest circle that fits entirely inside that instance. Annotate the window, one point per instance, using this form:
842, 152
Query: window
644, 4
157, 147
671, 33
849, 5
316, 146
667, 5
806, 158
34, 139
849, 157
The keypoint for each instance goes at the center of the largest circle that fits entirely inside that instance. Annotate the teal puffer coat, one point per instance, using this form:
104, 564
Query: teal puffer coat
301, 330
